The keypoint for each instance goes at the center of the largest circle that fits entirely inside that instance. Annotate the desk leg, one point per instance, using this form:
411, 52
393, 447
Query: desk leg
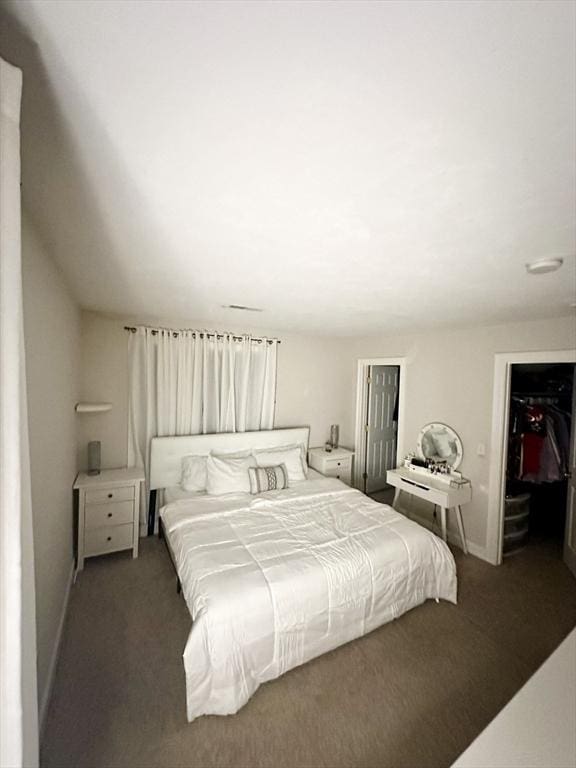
461, 528
443, 522
396, 497
408, 508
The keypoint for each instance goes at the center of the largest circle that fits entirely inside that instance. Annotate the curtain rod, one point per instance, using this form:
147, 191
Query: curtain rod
201, 334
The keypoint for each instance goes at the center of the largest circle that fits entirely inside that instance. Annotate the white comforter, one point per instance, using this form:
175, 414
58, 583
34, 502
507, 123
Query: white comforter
275, 580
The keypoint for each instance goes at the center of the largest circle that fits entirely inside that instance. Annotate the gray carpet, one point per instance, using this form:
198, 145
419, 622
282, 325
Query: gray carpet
413, 693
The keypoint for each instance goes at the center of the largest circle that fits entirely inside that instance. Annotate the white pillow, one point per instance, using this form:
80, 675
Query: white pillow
292, 456
193, 473
225, 474
232, 454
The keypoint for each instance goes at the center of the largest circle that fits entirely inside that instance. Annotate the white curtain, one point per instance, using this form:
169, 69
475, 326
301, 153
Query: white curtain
191, 382
18, 700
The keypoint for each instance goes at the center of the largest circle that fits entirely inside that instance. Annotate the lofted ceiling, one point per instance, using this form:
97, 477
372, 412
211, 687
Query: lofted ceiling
347, 167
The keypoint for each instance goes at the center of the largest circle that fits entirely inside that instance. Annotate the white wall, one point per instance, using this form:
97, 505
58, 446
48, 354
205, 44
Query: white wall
313, 384
537, 727
449, 379
52, 339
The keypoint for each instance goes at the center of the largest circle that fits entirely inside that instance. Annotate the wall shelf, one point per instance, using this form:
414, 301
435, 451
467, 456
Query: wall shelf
92, 407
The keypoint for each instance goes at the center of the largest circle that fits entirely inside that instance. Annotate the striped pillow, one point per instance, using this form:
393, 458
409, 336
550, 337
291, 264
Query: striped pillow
264, 479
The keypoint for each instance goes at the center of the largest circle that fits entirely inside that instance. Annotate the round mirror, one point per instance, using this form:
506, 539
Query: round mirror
439, 442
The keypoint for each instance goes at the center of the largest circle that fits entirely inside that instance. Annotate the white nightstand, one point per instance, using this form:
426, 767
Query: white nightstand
108, 512
336, 463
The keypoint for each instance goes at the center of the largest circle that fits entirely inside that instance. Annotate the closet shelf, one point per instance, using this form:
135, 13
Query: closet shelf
540, 394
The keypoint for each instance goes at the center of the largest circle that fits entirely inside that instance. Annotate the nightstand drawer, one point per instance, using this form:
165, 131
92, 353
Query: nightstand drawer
341, 473
106, 495
98, 541
332, 466
114, 513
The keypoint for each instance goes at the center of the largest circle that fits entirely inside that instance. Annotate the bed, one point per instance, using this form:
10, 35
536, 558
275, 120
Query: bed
274, 579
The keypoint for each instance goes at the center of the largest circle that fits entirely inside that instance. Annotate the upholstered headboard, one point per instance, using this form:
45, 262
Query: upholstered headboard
166, 452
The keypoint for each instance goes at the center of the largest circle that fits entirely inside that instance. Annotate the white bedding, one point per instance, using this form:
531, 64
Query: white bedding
272, 581
177, 493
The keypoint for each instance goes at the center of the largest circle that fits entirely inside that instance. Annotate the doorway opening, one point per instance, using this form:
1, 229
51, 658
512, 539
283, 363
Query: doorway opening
503, 362
379, 425
538, 457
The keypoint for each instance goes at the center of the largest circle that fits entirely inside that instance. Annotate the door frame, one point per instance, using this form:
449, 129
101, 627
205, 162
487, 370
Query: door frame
362, 403
503, 362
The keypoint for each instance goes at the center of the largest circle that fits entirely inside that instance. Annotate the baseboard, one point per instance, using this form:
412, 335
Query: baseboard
47, 693
453, 537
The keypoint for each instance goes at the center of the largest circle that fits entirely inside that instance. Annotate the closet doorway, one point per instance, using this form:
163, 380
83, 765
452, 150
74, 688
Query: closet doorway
538, 498
503, 362
379, 411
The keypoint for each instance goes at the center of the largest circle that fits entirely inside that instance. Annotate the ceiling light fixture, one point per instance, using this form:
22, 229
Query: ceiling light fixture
242, 308
541, 266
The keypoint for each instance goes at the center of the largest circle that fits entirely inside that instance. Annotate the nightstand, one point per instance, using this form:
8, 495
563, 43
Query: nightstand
336, 463
108, 512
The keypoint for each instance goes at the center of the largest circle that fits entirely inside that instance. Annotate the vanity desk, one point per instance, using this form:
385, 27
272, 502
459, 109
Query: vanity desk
437, 491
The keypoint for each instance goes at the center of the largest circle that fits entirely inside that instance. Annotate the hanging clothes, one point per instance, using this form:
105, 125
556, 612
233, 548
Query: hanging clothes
539, 443
532, 445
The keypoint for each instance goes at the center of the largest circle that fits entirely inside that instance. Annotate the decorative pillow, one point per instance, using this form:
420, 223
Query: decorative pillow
193, 473
264, 479
226, 474
289, 455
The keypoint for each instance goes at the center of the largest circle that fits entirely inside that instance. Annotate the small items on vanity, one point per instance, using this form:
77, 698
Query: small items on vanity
439, 469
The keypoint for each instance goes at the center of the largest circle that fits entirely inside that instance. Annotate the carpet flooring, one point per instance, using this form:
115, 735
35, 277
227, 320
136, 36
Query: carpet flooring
412, 694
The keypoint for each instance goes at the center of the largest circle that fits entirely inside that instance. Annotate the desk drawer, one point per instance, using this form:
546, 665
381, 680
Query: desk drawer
108, 495
98, 541
114, 513
432, 495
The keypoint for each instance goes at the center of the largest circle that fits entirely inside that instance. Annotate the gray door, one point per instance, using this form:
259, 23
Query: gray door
382, 425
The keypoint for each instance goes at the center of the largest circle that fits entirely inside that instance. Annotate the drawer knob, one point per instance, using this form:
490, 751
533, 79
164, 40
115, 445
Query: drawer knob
109, 538
109, 514
110, 495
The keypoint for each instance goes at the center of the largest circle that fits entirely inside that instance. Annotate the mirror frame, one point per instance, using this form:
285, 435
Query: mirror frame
454, 435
